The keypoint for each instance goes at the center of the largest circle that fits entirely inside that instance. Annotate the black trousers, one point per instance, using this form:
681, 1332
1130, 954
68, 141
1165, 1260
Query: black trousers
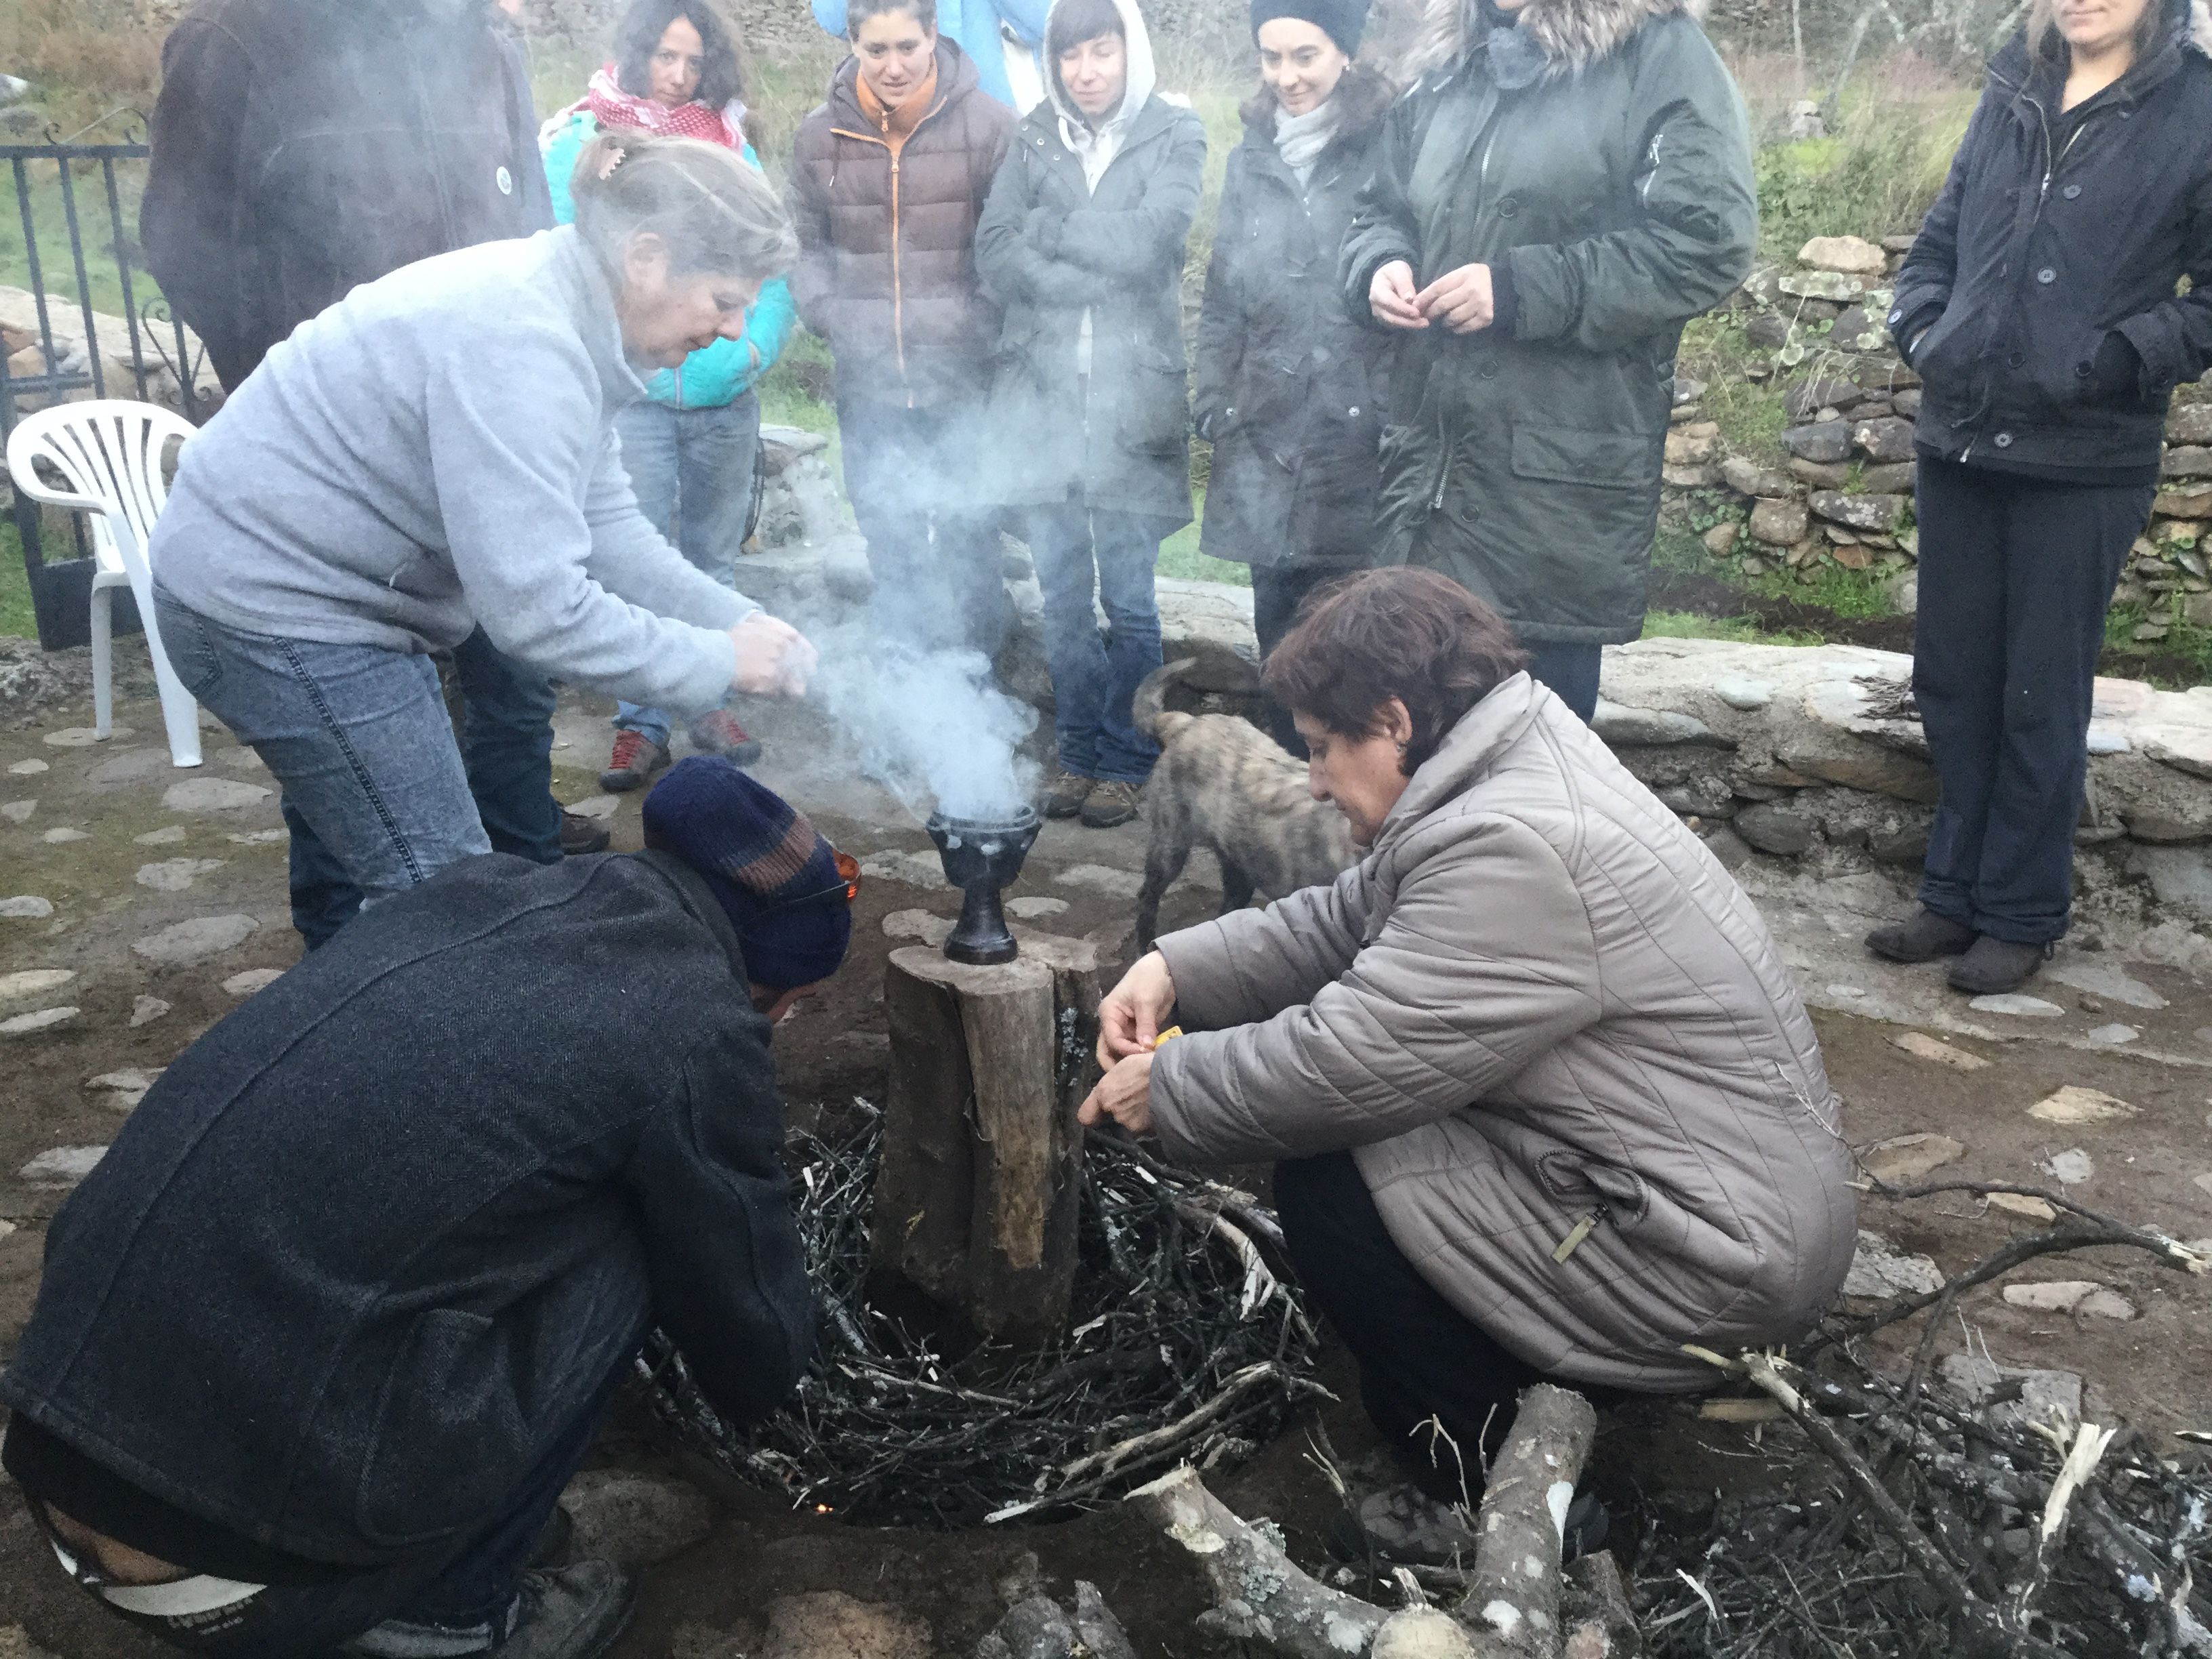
1278, 590
1570, 670
1419, 1358
2015, 577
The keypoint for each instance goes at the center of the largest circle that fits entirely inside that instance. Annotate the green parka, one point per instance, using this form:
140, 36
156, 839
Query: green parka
1611, 197
1053, 249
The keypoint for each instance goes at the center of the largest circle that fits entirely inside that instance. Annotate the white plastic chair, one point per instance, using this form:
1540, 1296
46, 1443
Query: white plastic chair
108, 453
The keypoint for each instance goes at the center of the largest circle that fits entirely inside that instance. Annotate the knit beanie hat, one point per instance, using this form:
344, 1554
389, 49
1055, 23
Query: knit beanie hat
1342, 21
776, 878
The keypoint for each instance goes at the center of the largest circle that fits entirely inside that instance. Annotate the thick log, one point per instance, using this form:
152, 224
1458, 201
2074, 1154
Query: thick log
1513, 1594
980, 1184
1258, 1594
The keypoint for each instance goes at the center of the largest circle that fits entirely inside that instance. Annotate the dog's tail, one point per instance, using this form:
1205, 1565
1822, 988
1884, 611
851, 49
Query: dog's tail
1148, 710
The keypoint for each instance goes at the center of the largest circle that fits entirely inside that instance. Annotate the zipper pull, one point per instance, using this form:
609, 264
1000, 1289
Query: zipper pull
1582, 1230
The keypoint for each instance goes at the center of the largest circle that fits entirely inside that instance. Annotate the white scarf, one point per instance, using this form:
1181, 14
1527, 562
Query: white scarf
1300, 139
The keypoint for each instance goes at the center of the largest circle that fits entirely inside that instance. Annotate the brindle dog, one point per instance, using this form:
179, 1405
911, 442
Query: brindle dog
1223, 783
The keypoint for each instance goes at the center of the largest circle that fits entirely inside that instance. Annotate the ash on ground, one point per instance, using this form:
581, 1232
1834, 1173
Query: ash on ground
1184, 1345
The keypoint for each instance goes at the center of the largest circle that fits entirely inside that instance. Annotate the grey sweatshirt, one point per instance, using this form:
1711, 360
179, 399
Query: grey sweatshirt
437, 451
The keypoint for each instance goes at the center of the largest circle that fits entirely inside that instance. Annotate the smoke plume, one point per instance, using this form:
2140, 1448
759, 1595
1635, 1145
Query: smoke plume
933, 727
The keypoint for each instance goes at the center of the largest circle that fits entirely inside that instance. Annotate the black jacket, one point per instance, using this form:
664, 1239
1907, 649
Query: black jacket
302, 147
1289, 388
1613, 197
370, 1245
2039, 302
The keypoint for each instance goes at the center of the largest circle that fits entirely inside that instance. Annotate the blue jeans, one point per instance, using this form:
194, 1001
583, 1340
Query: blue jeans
375, 794
1078, 552
692, 471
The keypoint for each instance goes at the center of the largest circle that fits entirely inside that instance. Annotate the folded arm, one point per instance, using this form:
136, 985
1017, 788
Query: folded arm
1133, 244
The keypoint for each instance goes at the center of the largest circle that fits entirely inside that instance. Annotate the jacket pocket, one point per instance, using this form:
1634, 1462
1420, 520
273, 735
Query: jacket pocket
1155, 402
1580, 455
450, 1436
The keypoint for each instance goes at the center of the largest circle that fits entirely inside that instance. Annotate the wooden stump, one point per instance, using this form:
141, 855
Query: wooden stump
982, 1162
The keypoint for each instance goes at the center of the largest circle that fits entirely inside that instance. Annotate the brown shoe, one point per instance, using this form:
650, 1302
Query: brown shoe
1110, 802
717, 733
1064, 795
580, 835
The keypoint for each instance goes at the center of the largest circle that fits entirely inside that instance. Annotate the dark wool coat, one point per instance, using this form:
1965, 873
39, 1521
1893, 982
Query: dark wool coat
1049, 250
1289, 388
301, 149
1615, 197
887, 266
2038, 300
375, 1244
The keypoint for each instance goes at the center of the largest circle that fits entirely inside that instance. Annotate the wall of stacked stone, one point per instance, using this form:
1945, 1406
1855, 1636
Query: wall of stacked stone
1843, 493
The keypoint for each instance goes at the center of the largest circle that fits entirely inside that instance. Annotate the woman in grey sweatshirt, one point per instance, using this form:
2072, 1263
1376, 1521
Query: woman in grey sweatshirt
437, 452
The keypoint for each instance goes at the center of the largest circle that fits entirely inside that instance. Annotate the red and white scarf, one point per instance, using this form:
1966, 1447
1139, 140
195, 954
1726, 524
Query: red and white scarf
613, 107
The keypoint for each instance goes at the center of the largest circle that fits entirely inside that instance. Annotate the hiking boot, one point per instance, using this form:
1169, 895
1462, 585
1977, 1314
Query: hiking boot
1109, 802
719, 733
1993, 966
581, 835
1065, 794
636, 757
575, 1614
1404, 1524
1921, 937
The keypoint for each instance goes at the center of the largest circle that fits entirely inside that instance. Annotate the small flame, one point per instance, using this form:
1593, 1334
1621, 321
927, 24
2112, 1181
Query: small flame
824, 1509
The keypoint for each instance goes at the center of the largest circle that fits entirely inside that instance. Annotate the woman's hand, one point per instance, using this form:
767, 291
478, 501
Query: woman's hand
1124, 1094
1460, 300
774, 657
1391, 296
1129, 1018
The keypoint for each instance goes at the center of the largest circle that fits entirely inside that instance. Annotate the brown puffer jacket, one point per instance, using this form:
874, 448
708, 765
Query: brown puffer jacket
887, 244
1538, 1001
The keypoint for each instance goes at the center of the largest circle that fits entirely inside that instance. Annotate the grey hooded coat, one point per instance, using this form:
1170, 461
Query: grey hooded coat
1053, 249
1538, 1002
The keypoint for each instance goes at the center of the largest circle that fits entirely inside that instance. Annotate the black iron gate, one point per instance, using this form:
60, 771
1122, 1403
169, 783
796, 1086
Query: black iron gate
72, 360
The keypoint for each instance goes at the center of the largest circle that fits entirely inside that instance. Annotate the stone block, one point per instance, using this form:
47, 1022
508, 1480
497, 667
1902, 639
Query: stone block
1874, 514
1778, 523
1747, 478
1829, 285
1774, 830
1692, 446
2189, 423
2186, 461
1830, 442
1720, 539
1820, 475
1850, 256
1885, 440
2191, 502
634, 1520
1801, 400
1890, 478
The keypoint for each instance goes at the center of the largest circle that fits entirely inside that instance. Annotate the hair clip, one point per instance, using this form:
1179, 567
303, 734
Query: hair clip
616, 156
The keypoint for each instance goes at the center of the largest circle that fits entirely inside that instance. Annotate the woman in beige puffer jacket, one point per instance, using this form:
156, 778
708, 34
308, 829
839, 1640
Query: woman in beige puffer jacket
1555, 1039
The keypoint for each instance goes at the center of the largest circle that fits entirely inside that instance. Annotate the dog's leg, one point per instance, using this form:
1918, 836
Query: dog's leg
1166, 854
1236, 888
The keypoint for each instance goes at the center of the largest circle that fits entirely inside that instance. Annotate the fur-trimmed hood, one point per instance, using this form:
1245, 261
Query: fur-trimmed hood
1364, 96
1572, 33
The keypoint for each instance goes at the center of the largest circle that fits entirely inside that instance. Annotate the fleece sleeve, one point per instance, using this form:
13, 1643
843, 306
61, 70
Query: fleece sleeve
557, 564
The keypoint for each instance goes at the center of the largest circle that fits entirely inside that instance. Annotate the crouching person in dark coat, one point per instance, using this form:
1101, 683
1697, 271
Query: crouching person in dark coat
1290, 388
324, 1336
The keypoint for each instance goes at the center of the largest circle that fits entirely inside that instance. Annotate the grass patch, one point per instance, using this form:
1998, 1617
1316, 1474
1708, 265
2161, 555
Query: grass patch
1741, 630
1180, 559
1851, 594
17, 620
2182, 660
50, 224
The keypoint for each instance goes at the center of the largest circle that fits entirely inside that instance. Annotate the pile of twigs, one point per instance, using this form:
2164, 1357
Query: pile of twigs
1184, 1346
1924, 1524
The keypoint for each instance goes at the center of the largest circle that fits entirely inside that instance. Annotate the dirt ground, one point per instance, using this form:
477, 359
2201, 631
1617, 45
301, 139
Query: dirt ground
1656, 1460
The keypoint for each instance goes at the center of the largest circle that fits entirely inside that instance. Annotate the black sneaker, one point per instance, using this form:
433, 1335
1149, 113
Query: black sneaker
575, 1614
1921, 937
1993, 966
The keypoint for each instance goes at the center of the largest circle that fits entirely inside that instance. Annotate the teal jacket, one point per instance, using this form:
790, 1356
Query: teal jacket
725, 370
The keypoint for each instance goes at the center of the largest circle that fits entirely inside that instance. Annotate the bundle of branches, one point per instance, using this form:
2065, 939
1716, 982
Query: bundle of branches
1937, 1524
1184, 1345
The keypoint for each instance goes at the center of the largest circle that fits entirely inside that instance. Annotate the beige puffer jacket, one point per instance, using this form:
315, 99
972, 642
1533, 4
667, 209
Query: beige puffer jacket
1538, 1000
